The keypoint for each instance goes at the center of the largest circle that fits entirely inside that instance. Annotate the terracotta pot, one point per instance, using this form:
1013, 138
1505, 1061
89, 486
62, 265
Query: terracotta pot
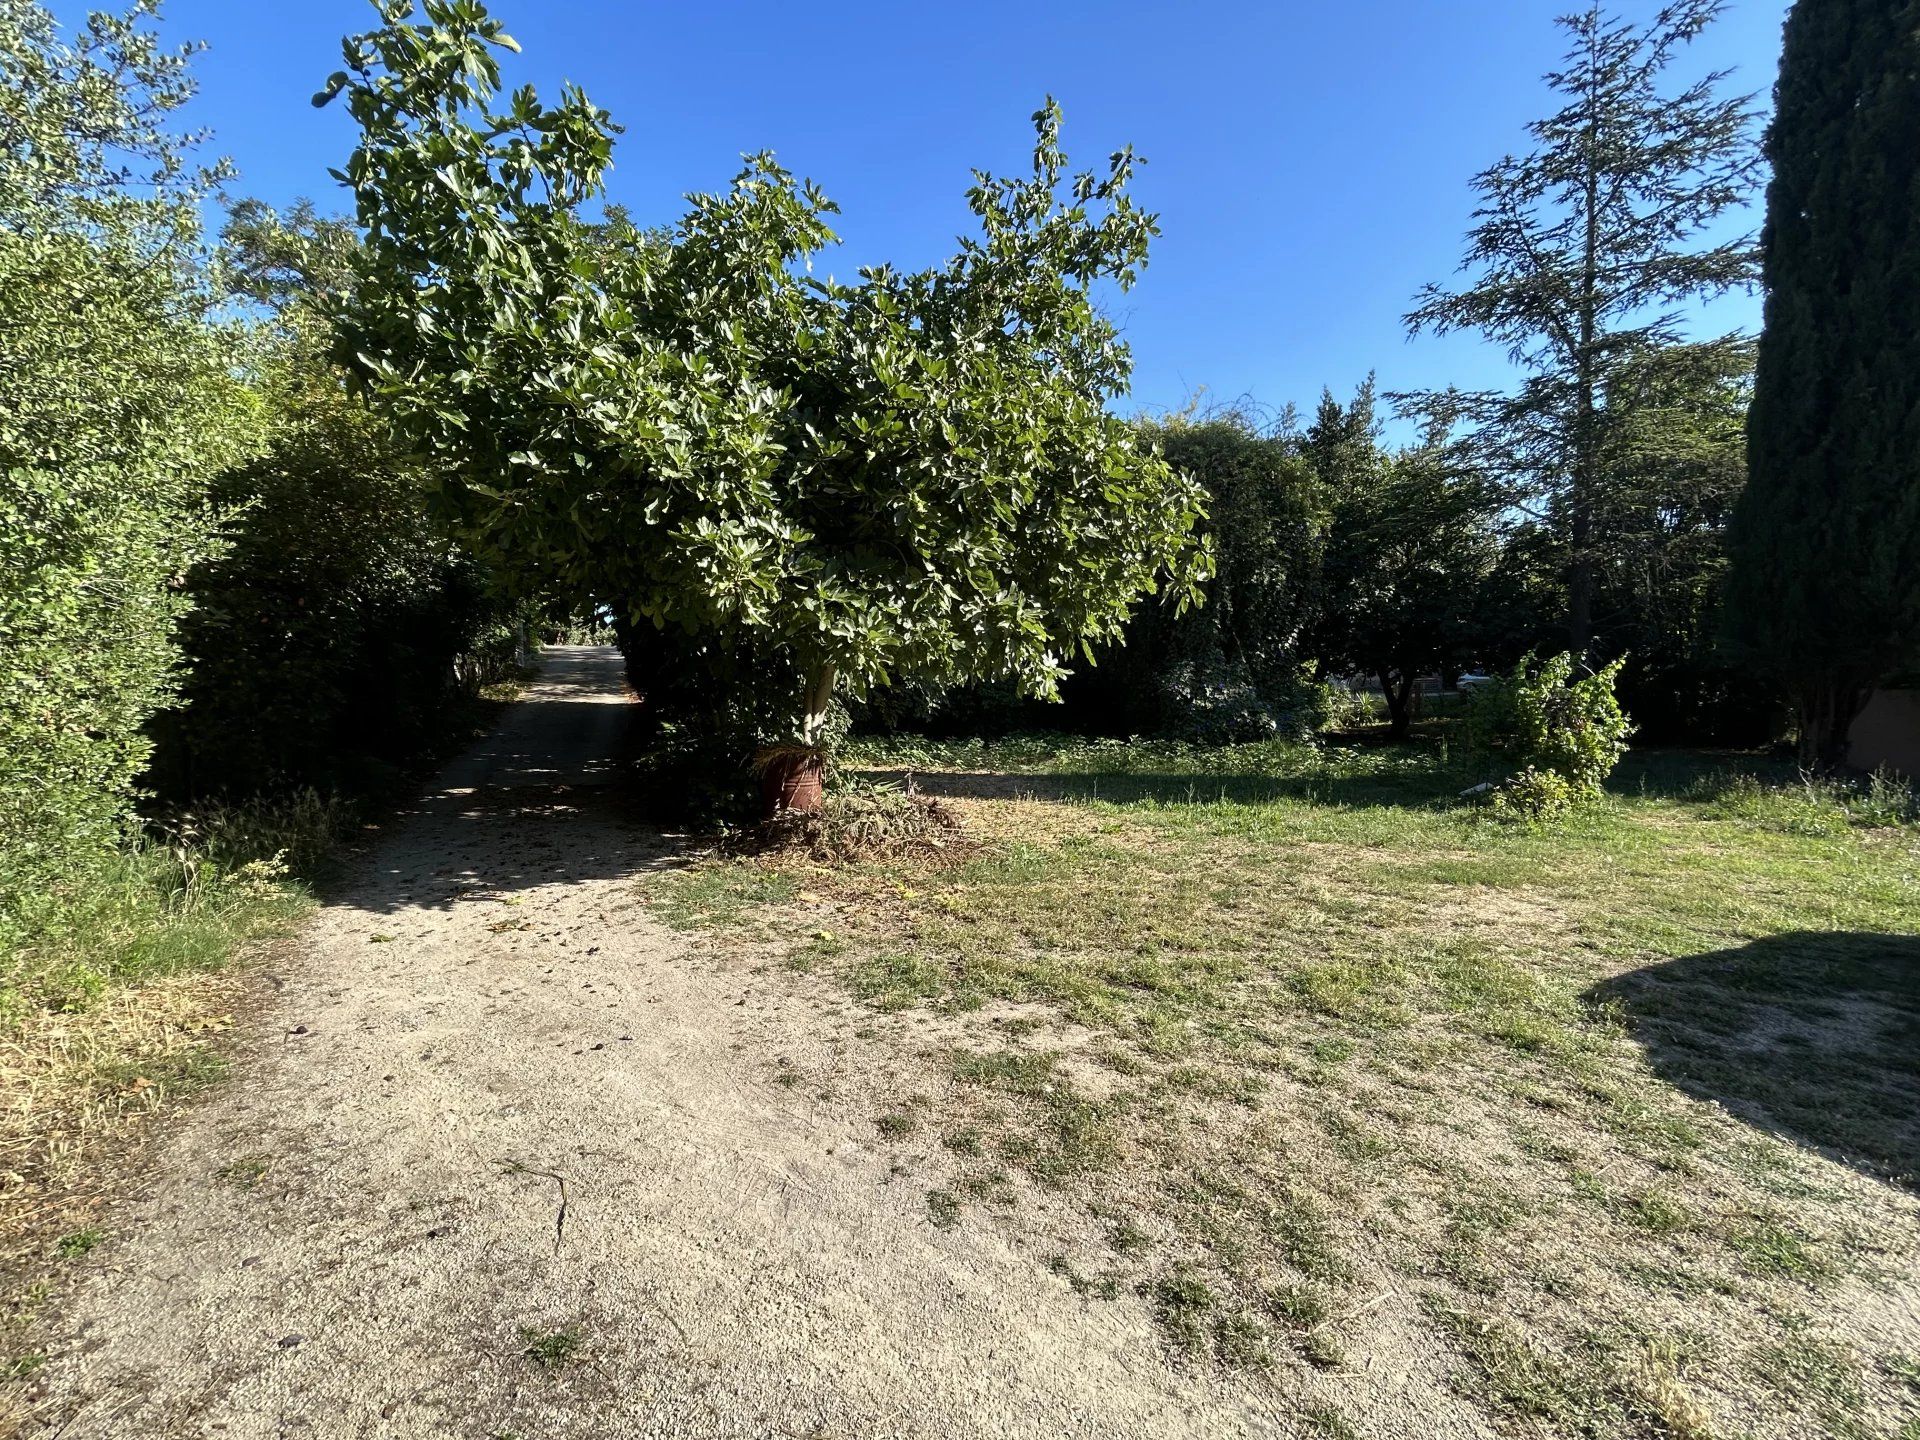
793, 780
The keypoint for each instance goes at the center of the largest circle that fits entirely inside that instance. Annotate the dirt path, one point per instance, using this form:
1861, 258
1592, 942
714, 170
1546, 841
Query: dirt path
491, 1102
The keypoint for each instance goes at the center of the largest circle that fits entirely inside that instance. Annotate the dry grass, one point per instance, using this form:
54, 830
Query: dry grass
111, 1010
1604, 1131
75, 1086
858, 822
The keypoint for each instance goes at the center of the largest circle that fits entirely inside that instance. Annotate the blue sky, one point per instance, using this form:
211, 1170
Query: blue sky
1309, 161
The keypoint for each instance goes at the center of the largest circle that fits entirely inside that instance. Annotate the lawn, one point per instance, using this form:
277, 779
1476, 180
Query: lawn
1606, 1129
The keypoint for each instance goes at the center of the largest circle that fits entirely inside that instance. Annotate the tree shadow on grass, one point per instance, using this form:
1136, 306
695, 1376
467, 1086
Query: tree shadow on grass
1395, 774
1811, 1036
1681, 774
1422, 786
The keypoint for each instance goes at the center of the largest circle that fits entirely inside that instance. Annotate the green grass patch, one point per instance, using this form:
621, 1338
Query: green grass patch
551, 1349
1326, 1033
720, 893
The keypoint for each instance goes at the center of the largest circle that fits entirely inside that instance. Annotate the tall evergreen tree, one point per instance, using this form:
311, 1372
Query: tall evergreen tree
1825, 590
1581, 251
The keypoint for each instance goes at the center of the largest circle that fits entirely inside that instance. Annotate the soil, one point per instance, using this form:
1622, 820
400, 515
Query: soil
504, 1157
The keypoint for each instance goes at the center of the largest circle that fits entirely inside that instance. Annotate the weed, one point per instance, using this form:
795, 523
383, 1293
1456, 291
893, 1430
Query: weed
1904, 1368
1817, 805
1184, 1305
1660, 1214
1305, 1239
1659, 1377
24, 1367
114, 991
79, 1242
1126, 1237
244, 1173
895, 980
1515, 1373
1812, 1371
1240, 1342
1305, 1314
551, 1349
1770, 1246
1067, 1135
1101, 1287
1328, 1423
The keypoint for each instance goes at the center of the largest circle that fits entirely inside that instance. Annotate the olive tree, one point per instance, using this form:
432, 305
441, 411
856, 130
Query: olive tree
911, 475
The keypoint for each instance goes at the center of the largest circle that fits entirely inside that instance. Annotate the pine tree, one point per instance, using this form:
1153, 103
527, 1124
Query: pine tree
1825, 590
1581, 250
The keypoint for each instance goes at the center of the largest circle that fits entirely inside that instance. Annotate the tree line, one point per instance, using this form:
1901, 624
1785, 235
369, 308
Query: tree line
1584, 509
276, 499
1603, 504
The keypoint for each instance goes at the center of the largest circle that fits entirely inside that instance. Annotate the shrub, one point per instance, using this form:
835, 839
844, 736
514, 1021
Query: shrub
1549, 723
122, 402
1346, 709
338, 635
1533, 796
1214, 704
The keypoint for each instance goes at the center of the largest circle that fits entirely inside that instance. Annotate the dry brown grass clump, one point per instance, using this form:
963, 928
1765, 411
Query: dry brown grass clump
859, 822
73, 1084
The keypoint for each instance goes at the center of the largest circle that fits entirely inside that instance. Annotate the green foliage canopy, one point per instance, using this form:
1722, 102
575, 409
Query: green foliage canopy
119, 402
1409, 542
911, 476
1231, 668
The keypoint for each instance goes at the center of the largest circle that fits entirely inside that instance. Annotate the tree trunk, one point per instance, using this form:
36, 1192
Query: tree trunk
815, 703
1580, 581
793, 777
1581, 478
1399, 703
1828, 706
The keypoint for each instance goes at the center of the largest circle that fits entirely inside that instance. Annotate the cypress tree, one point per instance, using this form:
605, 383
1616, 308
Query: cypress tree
1825, 588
